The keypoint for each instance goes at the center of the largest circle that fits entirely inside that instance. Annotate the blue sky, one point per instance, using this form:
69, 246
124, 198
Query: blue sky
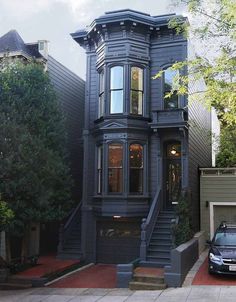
54, 20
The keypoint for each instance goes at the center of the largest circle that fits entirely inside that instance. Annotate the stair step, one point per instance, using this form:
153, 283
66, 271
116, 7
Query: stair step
159, 261
18, 280
133, 285
148, 278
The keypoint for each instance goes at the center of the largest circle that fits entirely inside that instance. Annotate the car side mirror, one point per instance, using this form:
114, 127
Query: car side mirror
209, 242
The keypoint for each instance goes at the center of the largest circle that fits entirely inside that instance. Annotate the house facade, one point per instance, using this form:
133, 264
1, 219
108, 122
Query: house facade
70, 91
141, 149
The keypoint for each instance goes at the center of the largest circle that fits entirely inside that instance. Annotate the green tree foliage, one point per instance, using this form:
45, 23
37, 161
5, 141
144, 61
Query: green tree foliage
227, 153
6, 215
34, 175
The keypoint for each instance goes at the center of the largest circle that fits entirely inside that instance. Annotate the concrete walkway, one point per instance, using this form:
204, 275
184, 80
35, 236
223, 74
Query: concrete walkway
184, 294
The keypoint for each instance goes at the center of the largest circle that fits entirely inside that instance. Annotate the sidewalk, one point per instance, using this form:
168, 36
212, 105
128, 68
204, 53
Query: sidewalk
184, 294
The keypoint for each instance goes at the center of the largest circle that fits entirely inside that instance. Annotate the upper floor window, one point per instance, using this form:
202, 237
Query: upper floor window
116, 89
136, 97
115, 168
171, 102
136, 168
101, 94
99, 169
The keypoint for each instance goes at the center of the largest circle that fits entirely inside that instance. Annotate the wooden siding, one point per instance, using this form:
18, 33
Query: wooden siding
216, 189
199, 144
70, 91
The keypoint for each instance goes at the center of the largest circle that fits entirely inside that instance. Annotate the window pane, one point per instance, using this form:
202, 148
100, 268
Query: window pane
136, 168
101, 105
115, 156
137, 78
115, 180
115, 171
116, 101
136, 181
136, 106
136, 156
100, 161
101, 82
116, 81
172, 101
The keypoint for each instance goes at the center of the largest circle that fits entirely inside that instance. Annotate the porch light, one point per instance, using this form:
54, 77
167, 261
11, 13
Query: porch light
173, 151
116, 217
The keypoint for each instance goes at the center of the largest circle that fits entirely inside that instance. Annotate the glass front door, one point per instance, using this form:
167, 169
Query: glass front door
172, 174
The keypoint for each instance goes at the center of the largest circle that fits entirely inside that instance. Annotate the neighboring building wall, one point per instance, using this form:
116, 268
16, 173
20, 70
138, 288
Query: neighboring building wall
70, 91
217, 197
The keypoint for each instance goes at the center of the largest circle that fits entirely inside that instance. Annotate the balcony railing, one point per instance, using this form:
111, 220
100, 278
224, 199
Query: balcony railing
169, 118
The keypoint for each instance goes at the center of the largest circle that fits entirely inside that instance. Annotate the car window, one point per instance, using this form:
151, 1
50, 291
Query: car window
225, 238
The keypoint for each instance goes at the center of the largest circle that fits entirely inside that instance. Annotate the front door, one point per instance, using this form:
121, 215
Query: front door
172, 174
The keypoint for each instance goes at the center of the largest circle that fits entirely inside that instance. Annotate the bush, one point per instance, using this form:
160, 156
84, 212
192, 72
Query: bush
183, 230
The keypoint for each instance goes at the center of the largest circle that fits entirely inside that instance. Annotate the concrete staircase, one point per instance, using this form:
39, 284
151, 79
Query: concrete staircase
147, 279
158, 252
14, 283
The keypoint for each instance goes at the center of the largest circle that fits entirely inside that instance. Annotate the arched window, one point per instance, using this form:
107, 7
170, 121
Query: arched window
99, 169
136, 95
170, 102
101, 94
116, 89
136, 168
115, 168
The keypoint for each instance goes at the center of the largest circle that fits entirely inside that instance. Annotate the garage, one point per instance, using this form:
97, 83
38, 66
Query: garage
221, 211
118, 241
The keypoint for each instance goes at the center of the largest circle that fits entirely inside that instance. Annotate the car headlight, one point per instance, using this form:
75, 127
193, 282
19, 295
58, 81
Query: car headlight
213, 257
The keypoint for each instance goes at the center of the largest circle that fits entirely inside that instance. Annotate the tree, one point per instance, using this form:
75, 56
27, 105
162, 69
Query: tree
34, 175
212, 28
6, 215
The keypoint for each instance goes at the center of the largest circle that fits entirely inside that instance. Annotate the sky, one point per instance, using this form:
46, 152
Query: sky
54, 20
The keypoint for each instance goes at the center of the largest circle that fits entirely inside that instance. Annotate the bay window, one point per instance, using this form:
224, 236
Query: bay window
101, 94
99, 169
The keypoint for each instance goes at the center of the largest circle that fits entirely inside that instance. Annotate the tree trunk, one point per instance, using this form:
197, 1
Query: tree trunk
25, 245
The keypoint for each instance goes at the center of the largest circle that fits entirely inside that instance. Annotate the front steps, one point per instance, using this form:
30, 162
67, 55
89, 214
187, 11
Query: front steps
158, 251
14, 283
71, 248
147, 279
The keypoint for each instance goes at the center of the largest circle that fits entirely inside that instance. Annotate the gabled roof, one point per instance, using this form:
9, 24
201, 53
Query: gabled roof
12, 42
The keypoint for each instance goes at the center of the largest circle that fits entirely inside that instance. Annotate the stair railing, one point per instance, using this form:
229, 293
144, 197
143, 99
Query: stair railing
148, 224
65, 229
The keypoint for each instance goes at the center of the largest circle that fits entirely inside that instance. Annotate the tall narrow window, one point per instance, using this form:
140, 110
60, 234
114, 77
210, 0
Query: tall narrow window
101, 94
171, 102
115, 168
136, 169
99, 169
136, 97
116, 89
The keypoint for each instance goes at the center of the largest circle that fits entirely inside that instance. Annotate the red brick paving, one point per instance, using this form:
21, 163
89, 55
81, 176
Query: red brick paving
47, 265
96, 276
203, 278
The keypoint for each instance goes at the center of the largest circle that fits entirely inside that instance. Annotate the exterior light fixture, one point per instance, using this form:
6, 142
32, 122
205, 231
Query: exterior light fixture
116, 217
173, 151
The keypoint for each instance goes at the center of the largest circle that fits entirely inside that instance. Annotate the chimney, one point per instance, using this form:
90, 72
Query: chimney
43, 48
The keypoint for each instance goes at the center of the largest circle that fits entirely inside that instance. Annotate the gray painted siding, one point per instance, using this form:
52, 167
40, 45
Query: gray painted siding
70, 90
215, 189
199, 145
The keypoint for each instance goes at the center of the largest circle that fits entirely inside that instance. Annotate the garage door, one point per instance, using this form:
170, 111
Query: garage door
117, 241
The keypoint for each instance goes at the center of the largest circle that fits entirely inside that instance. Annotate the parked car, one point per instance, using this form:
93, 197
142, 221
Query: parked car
222, 252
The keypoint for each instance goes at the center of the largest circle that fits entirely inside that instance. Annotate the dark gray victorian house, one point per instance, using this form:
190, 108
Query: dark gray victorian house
140, 149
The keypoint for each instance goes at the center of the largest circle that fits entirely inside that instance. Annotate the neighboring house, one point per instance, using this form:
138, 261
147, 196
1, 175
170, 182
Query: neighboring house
140, 149
70, 90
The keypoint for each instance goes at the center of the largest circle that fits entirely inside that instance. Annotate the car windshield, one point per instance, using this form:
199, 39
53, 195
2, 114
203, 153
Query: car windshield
225, 238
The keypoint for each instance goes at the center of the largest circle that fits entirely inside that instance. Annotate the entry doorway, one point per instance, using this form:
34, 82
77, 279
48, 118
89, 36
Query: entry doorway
172, 174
